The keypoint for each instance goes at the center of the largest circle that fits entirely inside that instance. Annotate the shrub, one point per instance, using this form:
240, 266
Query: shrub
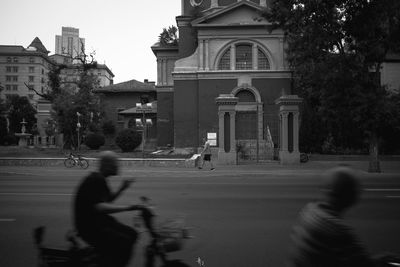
3, 129
94, 141
10, 140
128, 140
93, 127
108, 128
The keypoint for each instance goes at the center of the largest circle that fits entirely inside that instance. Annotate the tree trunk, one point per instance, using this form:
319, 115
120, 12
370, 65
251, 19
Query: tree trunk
374, 165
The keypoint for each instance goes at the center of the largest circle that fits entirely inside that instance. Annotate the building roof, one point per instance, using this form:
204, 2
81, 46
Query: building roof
36, 48
39, 46
136, 110
211, 17
11, 49
128, 87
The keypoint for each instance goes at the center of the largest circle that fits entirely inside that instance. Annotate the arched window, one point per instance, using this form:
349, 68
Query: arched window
225, 62
246, 96
263, 63
244, 58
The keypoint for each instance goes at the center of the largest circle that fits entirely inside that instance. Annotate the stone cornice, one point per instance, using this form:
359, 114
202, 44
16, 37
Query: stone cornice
289, 100
226, 99
217, 75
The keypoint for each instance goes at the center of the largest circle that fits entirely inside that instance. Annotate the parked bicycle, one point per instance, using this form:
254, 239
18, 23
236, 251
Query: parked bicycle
76, 160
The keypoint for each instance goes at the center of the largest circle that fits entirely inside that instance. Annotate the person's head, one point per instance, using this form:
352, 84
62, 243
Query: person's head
108, 163
341, 187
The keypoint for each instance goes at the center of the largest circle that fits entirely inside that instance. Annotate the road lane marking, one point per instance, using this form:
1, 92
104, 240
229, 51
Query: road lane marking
34, 194
382, 189
7, 220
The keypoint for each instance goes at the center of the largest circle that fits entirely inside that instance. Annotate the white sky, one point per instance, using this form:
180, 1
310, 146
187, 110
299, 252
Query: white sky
121, 31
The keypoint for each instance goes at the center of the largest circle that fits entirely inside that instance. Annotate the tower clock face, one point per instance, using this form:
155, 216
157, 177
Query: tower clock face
195, 3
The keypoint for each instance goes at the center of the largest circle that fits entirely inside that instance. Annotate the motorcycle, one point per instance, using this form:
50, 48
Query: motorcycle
169, 237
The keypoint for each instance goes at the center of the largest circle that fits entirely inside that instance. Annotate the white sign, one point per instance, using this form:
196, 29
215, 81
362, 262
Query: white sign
212, 139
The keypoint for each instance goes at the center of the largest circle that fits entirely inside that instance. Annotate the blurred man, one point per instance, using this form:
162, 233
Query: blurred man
93, 205
321, 237
206, 155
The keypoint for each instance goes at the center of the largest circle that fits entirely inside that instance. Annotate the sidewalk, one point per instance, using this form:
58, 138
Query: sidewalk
387, 166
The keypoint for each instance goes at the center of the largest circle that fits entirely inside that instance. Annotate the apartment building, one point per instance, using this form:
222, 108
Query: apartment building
21, 66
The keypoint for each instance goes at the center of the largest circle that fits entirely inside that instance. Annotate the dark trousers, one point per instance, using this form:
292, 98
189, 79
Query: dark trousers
114, 244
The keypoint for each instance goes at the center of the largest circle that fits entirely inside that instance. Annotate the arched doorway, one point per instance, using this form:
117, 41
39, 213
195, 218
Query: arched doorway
249, 126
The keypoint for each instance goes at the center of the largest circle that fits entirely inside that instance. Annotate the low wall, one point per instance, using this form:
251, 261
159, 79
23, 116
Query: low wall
154, 162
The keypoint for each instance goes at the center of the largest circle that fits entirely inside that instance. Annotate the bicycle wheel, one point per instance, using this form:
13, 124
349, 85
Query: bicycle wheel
83, 163
69, 163
303, 158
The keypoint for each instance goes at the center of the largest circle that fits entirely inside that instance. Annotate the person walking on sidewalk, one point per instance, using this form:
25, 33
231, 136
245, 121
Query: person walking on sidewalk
206, 155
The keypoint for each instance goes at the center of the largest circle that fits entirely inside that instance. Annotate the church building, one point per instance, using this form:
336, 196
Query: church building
228, 55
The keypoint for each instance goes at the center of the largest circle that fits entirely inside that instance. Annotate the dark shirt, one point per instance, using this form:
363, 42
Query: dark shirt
92, 190
322, 239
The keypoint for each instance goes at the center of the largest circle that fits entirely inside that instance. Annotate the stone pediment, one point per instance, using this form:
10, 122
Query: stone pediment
238, 14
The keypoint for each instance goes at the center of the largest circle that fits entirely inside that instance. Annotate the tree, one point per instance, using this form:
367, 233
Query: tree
336, 49
3, 120
168, 36
70, 98
19, 108
69, 104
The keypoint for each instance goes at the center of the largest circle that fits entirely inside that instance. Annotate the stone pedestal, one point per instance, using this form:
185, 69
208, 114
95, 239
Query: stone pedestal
289, 153
227, 140
23, 139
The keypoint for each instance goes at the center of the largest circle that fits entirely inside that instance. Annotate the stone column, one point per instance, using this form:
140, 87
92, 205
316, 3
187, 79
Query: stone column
233, 57
159, 79
289, 104
296, 130
232, 115
214, 3
285, 133
255, 57
165, 79
227, 104
206, 48
221, 137
201, 54
263, 3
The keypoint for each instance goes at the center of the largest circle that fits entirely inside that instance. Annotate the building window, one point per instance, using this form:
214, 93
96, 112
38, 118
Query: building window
8, 87
15, 60
15, 87
31, 78
15, 69
31, 69
225, 62
42, 71
15, 78
8, 78
31, 60
9, 59
8, 69
244, 58
263, 63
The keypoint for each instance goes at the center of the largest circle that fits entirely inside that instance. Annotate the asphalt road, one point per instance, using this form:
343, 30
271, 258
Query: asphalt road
240, 216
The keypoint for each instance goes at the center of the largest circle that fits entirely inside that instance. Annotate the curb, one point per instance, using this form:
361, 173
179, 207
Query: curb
153, 162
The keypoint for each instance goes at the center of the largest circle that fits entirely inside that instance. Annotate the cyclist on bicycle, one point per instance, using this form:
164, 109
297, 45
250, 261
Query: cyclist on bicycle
112, 240
321, 237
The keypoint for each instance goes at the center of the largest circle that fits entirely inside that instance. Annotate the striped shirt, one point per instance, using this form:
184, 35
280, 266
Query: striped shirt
322, 239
